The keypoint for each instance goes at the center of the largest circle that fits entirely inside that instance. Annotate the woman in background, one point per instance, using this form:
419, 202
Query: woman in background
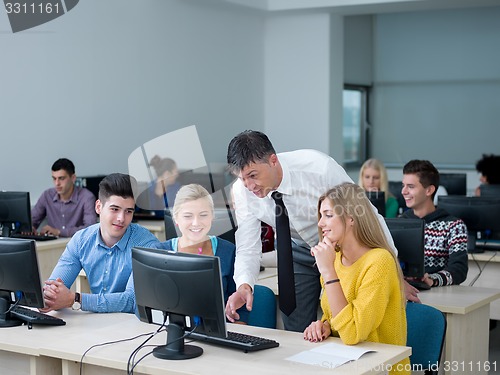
363, 297
161, 192
373, 177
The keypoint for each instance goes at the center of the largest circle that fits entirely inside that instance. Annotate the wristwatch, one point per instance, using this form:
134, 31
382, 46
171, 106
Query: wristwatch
77, 305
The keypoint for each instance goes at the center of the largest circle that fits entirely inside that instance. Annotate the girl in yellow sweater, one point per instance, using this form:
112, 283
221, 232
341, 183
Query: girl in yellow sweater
363, 297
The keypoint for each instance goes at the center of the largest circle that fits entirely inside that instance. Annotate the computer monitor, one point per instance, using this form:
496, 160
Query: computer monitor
395, 188
187, 289
19, 278
408, 236
378, 200
488, 190
480, 214
90, 182
455, 183
15, 212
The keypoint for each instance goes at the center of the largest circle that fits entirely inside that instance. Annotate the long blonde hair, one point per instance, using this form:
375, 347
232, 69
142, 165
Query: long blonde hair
349, 201
380, 168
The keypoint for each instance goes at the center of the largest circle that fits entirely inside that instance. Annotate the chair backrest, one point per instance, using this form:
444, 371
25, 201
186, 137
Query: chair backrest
263, 312
426, 332
170, 231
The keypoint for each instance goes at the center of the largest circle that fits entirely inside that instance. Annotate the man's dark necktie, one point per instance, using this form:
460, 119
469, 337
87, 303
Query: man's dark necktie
286, 280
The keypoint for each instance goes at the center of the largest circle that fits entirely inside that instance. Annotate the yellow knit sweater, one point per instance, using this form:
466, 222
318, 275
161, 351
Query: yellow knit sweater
375, 309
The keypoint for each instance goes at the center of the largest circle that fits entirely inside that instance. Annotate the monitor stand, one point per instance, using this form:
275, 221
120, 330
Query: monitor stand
5, 319
471, 244
175, 348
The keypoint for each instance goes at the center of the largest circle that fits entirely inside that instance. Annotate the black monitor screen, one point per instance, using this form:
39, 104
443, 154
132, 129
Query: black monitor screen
480, 214
455, 183
395, 188
187, 289
408, 236
15, 212
378, 200
490, 190
19, 277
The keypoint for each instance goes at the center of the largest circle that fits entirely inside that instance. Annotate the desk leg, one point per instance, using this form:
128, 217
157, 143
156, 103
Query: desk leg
467, 342
45, 365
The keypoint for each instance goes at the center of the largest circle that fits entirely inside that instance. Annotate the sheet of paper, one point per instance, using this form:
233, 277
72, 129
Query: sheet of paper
329, 355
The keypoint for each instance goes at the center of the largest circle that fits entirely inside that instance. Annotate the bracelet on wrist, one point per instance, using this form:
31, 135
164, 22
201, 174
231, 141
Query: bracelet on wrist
333, 281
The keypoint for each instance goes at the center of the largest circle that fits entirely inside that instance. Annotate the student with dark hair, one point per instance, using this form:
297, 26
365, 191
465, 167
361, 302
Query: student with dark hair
103, 251
489, 168
67, 208
445, 237
300, 177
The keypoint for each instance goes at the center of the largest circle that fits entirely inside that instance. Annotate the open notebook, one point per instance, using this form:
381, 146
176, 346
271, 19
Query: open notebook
331, 355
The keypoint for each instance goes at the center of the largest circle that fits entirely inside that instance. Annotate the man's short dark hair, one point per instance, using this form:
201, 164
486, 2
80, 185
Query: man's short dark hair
64, 164
250, 146
118, 184
489, 167
426, 172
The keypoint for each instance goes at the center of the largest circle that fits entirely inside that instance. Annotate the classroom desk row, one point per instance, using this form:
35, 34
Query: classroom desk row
467, 311
58, 350
484, 271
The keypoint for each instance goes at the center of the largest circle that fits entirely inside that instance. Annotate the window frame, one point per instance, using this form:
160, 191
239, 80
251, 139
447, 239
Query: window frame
364, 126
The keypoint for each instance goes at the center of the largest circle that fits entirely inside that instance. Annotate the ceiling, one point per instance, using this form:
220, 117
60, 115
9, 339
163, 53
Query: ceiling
352, 7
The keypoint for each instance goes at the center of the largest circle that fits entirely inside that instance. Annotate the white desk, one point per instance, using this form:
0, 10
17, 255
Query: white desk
269, 272
157, 227
486, 264
57, 350
467, 311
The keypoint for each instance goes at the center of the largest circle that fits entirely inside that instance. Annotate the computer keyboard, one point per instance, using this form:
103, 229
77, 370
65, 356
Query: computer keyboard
34, 236
236, 340
35, 317
488, 244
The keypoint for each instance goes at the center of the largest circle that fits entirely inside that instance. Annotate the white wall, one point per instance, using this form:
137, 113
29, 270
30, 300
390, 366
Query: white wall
297, 88
358, 50
96, 83
437, 86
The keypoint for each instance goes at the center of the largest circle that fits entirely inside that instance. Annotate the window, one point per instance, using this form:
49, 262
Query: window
355, 126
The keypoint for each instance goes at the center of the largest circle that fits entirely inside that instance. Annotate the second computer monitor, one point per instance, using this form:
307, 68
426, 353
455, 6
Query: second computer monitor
488, 190
378, 200
15, 212
19, 277
480, 215
408, 236
454, 183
